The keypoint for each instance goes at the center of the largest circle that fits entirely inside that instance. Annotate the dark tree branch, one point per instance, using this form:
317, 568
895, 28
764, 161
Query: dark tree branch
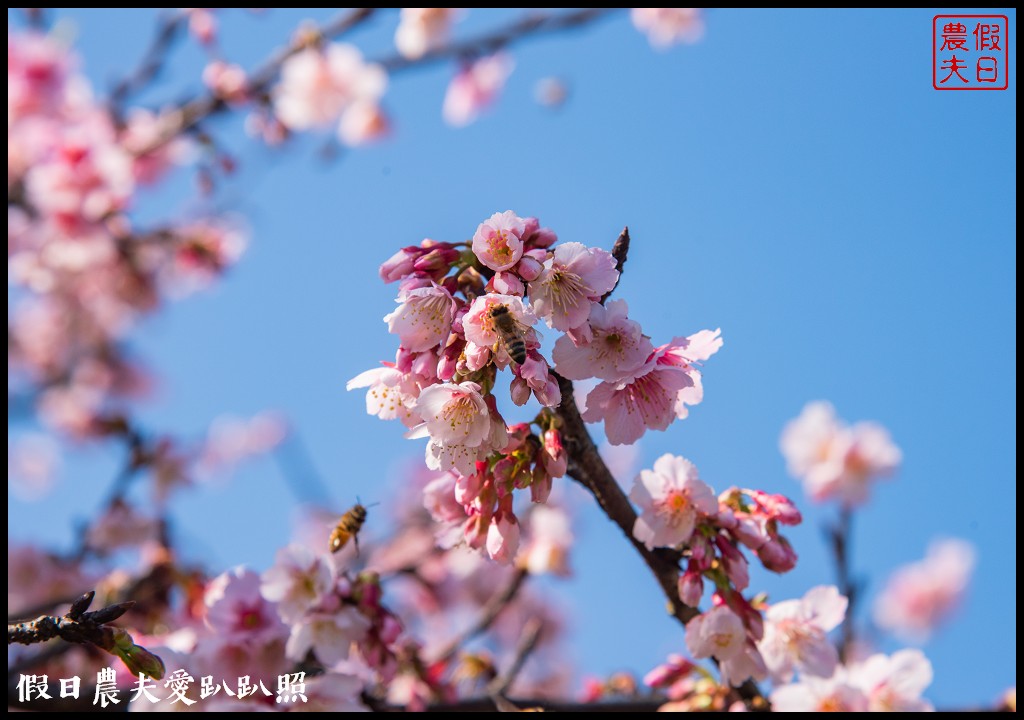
488, 614
76, 626
587, 468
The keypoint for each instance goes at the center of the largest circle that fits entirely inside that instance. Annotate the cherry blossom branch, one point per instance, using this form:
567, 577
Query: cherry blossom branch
527, 643
841, 537
587, 468
81, 626
168, 29
488, 614
531, 25
194, 111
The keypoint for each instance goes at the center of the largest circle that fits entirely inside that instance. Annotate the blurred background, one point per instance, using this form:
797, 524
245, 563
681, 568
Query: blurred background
792, 178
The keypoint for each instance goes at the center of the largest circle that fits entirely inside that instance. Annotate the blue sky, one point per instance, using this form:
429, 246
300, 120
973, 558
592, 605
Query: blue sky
793, 179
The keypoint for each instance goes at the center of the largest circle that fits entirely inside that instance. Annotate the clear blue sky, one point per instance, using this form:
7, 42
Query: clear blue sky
793, 179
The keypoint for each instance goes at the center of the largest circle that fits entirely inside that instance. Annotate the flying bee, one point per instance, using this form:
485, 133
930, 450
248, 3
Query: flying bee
348, 528
510, 333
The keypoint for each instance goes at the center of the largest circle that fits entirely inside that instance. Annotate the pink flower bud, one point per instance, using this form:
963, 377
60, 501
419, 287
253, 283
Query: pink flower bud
529, 268
390, 629
520, 391
540, 489
399, 265
555, 458
503, 538
777, 555
476, 531
691, 588
506, 283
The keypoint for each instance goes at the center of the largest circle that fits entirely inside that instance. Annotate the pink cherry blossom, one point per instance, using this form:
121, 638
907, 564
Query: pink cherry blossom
718, 633
672, 498
461, 426
745, 665
392, 394
688, 353
630, 407
796, 634
617, 351
498, 241
330, 635
668, 26
318, 84
423, 318
813, 694
834, 460
894, 683
482, 333
227, 80
421, 30
503, 537
235, 608
535, 375
333, 692
918, 597
548, 541
573, 279
364, 121
297, 581
475, 87
232, 440
38, 71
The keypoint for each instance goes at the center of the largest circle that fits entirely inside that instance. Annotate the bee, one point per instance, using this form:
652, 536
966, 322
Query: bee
348, 527
510, 335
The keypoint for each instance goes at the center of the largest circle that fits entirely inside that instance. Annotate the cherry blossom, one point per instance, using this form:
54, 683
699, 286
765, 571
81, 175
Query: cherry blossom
813, 694
796, 634
573, 279
672, 499
423, 317
475, 87
629, 408
330, 635
894, 683
548, 542
421, 30
918, 597
317, 85
668, 26
834, 460
617, 351
297, 581
498, 241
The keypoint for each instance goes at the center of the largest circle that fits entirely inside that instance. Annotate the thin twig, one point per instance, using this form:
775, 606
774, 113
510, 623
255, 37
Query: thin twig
488, 614
842, 537
527, 644
531, 25
168, 28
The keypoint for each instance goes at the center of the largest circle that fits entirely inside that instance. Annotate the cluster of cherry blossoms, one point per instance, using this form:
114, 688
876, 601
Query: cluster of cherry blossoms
466, 312
801, 660
81, 269
678, 510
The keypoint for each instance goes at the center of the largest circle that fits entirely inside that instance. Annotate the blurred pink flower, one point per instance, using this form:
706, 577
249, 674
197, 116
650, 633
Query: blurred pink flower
668, 26
796, 634
364, 121
332, 692
231, 440
836, 461
421, 30
33, 461
812, 694
920, 596
475, 87
671, 498
235, 609
549, 538
227, 81
330, 635
317, 85
297, 581
894, 683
